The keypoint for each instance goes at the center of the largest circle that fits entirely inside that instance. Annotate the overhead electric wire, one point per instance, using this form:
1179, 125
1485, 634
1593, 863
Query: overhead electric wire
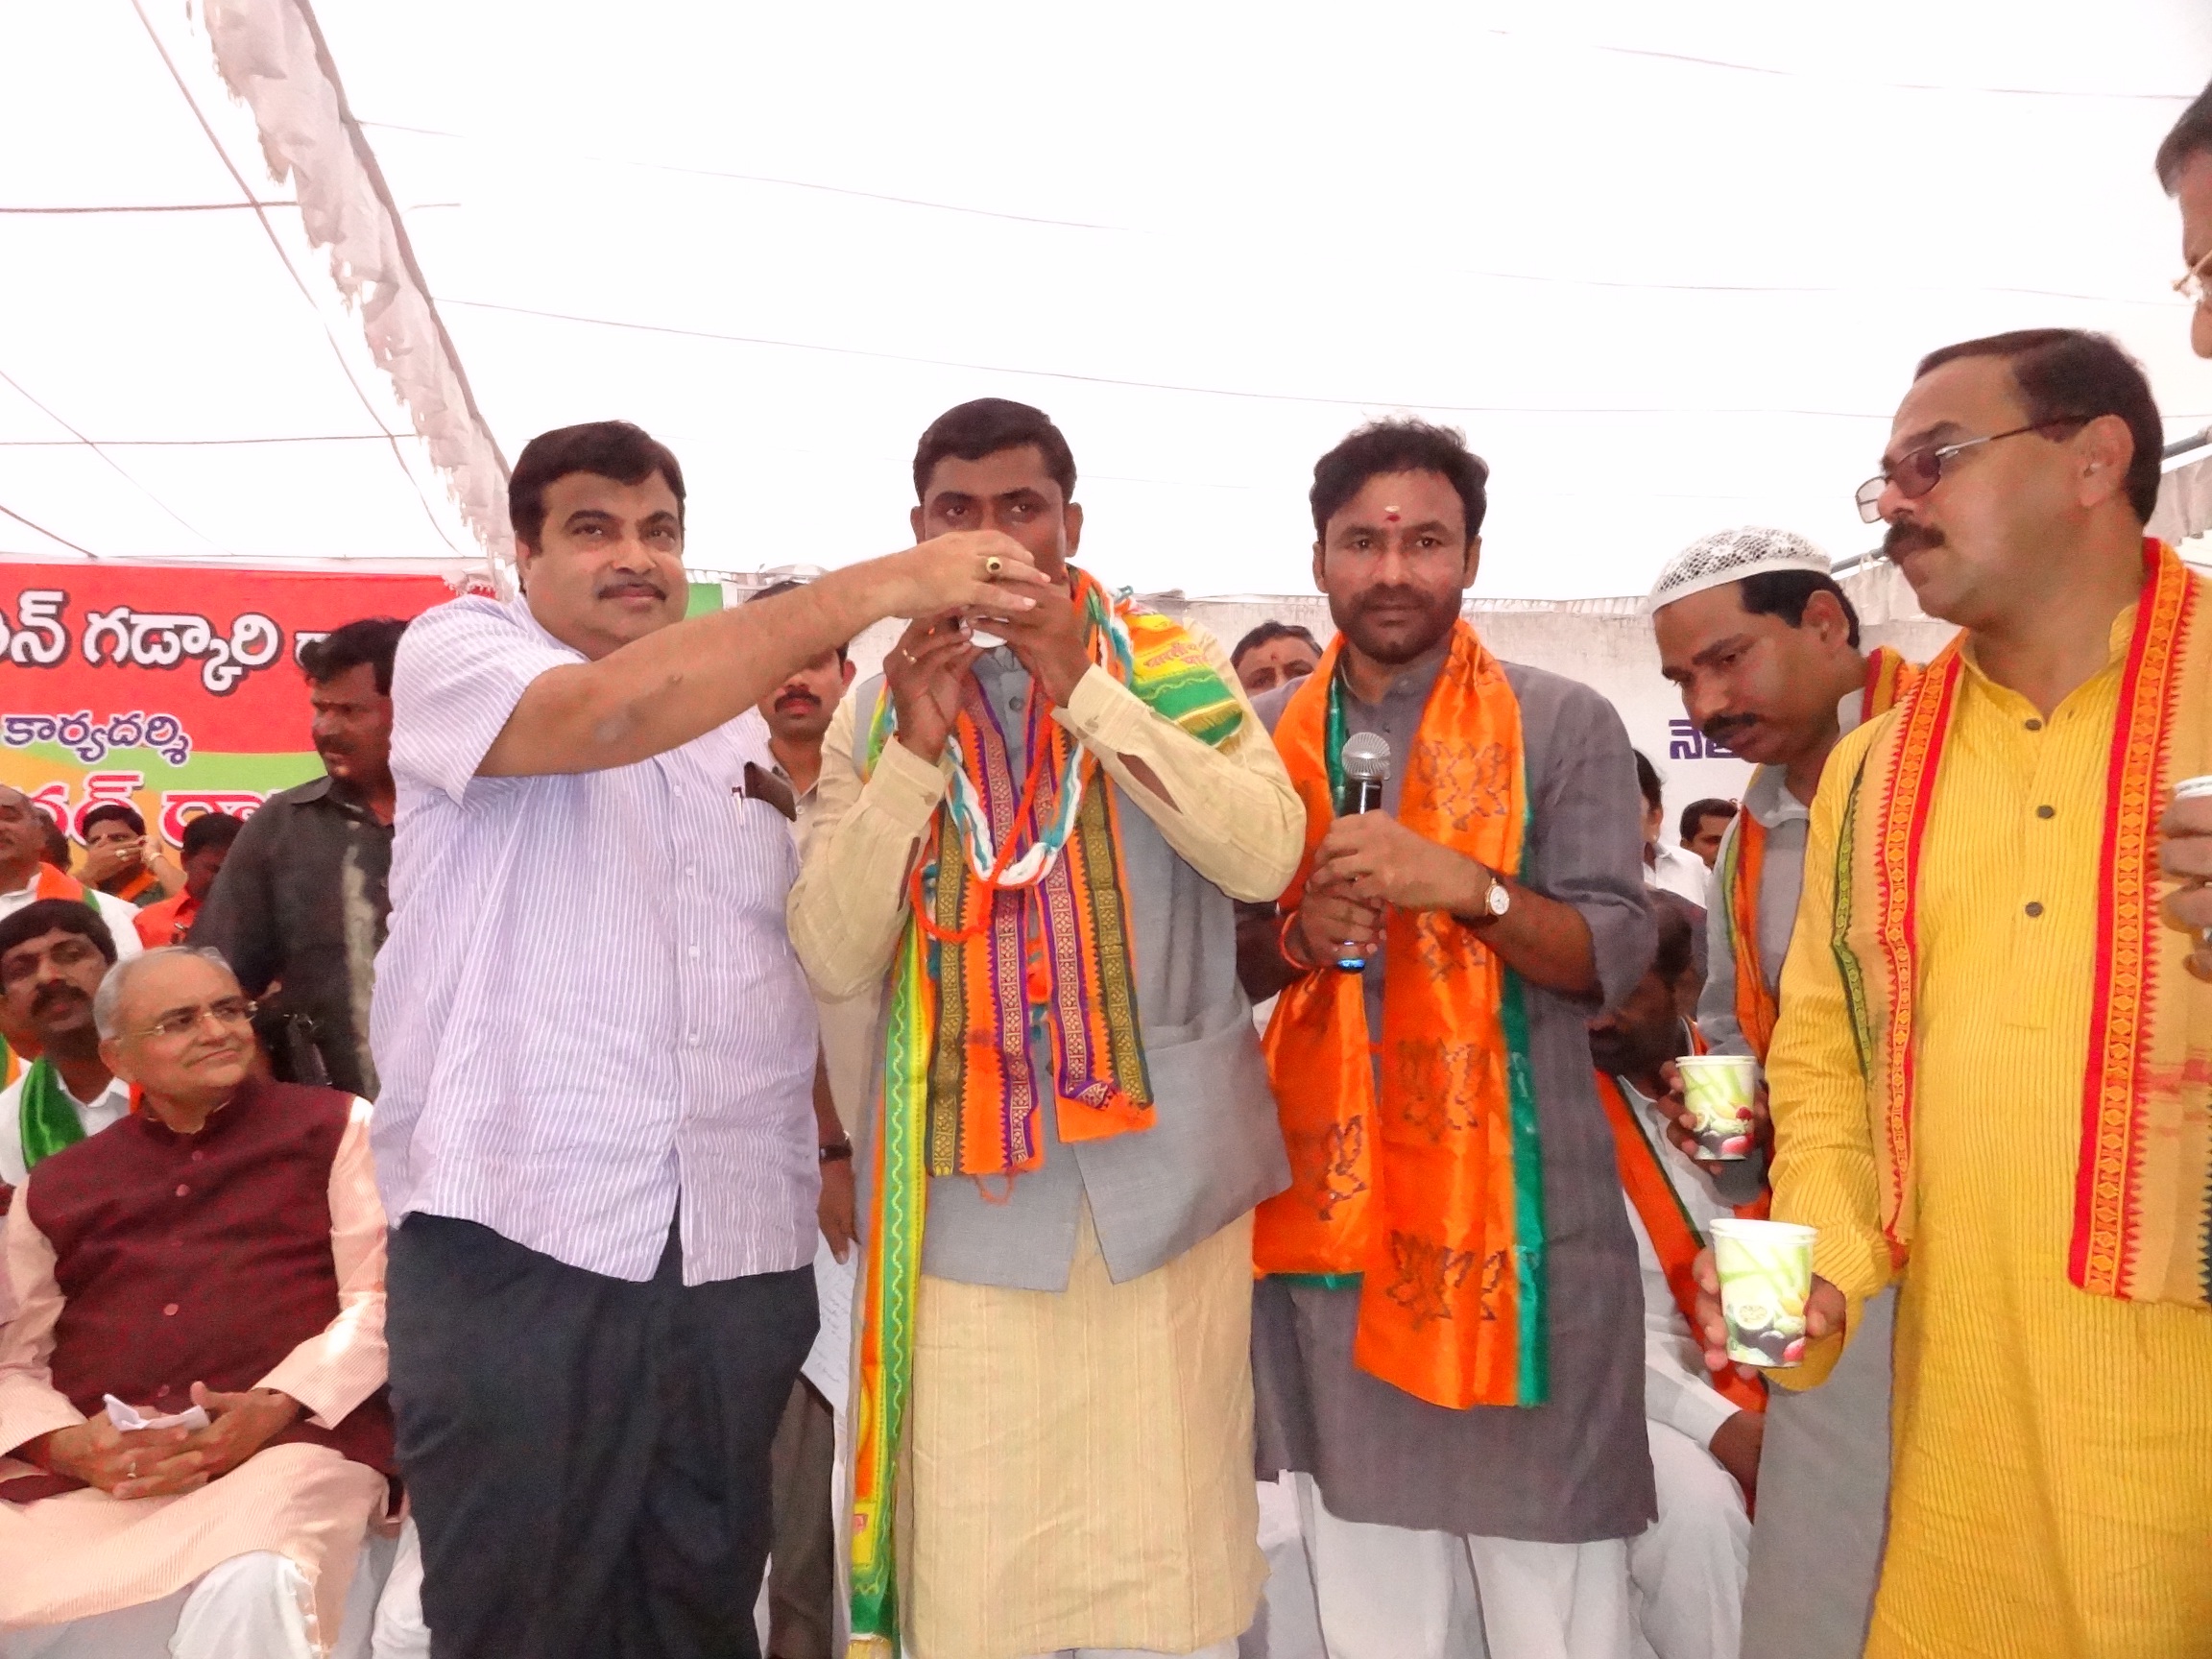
188, 443
115, 465
2157, 301
781, 184
48, 534
270, 231
1136, 385
157, 207
1693, 60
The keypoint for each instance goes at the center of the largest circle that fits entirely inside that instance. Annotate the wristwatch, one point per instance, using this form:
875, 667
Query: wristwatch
1497, 899
837, 1151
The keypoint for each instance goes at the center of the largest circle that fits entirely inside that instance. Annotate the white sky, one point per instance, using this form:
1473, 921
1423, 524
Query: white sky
1661, 297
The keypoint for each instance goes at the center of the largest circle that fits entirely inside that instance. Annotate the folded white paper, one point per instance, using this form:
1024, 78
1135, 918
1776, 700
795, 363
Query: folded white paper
130, 1419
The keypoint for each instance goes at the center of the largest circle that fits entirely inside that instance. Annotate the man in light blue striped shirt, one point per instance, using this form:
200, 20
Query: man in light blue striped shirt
595, 1137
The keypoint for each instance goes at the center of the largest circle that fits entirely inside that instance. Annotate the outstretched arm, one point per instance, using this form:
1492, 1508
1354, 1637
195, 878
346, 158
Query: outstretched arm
660, 692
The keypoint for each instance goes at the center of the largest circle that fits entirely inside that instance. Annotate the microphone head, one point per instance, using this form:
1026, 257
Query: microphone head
1367, 758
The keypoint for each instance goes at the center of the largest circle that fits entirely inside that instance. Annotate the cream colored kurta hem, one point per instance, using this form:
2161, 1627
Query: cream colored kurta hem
1079, 1469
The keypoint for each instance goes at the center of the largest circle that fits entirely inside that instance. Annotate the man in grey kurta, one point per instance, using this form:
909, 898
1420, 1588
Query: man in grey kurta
1765, 647
1404, 1503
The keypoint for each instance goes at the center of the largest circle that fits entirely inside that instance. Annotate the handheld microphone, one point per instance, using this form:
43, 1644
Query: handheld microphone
1366, 765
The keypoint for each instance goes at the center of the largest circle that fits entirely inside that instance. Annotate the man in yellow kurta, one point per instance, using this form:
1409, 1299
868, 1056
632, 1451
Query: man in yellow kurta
1982, 896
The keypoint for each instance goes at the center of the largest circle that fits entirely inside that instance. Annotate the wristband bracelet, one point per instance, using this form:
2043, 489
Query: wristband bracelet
1282, 946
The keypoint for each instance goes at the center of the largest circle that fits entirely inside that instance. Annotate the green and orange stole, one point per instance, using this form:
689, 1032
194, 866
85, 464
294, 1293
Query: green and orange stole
1431, 1195
2143, 1191
1743, 862
1018, 938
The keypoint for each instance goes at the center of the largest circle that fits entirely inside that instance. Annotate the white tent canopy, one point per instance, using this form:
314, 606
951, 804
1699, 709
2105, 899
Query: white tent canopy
1668, 269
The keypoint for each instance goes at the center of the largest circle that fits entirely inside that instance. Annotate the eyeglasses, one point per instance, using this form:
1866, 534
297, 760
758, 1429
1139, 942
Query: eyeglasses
231, 1013
1917, 471
2192, 284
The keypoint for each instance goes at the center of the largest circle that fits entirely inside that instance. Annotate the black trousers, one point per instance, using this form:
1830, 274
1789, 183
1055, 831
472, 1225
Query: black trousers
587, 1457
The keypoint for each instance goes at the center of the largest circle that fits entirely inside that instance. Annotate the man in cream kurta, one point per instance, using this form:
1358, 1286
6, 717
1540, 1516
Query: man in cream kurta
1076, 1469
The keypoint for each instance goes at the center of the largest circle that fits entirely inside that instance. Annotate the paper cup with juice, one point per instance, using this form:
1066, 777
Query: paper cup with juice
1718, 1091
1765, 1270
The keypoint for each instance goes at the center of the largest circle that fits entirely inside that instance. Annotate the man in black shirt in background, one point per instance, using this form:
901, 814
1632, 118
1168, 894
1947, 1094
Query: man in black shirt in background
298, 911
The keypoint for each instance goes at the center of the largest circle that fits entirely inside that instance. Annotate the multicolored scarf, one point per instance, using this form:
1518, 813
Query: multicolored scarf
1009, 951
1743, 863
1674, 1236
51, 883
1430, 1190
2143, 1194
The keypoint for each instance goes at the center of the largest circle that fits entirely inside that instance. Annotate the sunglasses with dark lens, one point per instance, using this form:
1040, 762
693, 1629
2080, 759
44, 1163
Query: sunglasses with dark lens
1917, 471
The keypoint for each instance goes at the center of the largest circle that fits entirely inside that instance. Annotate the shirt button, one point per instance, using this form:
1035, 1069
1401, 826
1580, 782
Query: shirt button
162, 1392
198, 1157
2034, 908
692, 1037
2034, 725
690, 870
182, 1188
694, 950
2046, 811
169, 1312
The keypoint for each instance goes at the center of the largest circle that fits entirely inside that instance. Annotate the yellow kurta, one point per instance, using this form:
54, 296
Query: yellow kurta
2052, 1493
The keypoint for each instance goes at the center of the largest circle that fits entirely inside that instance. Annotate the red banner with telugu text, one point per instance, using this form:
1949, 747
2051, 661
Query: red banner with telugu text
174, 688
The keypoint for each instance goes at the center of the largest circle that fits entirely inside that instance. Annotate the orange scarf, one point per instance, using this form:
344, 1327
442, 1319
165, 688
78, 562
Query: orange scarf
2143, 1200
1432, 1193
1744, 861
143, 882
1674, 1236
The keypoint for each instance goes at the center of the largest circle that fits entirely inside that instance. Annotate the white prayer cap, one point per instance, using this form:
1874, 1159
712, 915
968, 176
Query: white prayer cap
1731, 555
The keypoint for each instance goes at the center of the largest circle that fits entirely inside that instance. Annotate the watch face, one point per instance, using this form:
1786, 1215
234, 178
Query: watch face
1498, 898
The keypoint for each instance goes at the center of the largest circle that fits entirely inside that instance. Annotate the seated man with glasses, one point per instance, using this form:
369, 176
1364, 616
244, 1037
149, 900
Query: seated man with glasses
217, 1256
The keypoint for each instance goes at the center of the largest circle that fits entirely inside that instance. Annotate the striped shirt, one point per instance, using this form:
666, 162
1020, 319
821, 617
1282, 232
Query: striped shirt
587, 1005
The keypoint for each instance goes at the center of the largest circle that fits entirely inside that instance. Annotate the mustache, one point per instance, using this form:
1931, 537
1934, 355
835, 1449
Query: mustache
1396, 595
1908, 537
623, 586
57, 996
797, 694
1722, 727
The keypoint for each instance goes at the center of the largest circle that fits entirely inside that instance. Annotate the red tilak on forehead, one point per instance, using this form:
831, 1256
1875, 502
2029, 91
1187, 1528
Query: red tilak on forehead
1389, 515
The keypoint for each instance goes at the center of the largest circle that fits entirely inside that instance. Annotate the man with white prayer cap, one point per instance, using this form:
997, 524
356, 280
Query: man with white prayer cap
1766, 649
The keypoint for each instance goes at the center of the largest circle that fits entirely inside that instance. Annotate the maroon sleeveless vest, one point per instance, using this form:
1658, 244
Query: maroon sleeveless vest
197, 1258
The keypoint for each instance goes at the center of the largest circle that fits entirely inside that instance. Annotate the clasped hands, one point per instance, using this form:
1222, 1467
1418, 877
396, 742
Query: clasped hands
161, 1462
925, 669
1370, 861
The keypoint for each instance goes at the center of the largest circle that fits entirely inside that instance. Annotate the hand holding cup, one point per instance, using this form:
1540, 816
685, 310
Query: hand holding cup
1740, 1312
975, 571
1720, 1106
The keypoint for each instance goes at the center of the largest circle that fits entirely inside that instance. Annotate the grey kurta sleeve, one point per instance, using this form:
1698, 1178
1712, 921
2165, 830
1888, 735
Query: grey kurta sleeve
1587, 847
